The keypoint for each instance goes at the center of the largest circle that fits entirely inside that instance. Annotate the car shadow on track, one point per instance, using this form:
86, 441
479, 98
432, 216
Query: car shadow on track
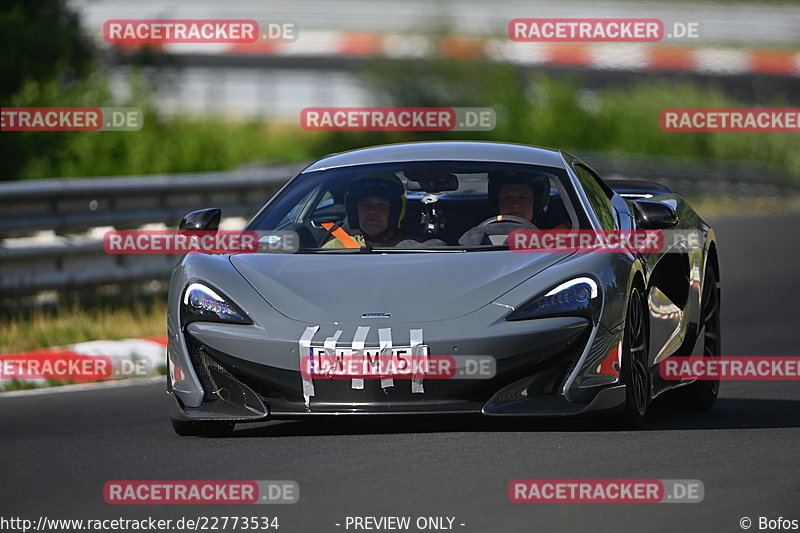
728, 413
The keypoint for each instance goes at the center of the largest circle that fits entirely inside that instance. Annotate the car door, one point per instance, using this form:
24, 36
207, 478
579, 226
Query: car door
665, 318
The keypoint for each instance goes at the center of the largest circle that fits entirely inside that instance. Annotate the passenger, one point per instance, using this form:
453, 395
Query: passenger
375, 205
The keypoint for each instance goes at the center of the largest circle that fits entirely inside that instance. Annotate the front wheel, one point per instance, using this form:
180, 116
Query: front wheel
202, 428
635, 375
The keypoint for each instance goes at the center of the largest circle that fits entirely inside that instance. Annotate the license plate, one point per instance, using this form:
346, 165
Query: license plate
397, 362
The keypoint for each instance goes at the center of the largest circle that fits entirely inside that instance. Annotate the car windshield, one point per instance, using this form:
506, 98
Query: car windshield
420, 206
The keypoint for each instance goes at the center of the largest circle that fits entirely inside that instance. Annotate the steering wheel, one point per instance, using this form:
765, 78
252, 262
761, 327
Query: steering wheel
527, 224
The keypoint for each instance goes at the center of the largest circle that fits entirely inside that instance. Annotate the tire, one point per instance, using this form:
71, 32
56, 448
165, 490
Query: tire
205, 429
701, 395
635, 374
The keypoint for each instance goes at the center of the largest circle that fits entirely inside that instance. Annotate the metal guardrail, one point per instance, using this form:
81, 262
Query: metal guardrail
64, 258
72, 205
694, 177
62, 208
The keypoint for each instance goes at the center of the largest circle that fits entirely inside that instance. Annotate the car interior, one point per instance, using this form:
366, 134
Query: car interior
441, 210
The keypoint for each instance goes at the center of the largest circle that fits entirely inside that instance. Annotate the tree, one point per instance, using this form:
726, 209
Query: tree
43, 51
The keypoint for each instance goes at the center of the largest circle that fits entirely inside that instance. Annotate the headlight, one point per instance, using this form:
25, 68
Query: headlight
203, 303
576, 297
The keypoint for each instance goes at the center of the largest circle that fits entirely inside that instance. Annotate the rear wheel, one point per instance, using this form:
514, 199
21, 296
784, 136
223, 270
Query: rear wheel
701, 395
203, 428
635, 375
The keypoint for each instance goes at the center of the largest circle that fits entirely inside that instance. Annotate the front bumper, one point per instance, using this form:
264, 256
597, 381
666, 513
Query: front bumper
244, 374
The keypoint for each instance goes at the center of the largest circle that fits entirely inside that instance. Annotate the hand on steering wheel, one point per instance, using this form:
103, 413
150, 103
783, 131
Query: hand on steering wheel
527, 224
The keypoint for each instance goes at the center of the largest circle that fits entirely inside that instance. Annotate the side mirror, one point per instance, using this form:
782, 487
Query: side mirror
203, 220
654, 215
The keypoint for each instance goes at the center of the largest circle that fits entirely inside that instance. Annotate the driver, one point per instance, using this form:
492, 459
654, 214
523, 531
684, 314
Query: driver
516, 199
375, 206
523, 196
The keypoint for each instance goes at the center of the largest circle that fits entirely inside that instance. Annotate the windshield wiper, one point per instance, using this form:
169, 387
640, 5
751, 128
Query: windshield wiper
403, 250
375, 250
330, 250
487, 248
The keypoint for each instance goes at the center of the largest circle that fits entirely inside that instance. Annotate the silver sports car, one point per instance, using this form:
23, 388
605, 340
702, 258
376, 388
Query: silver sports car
404, 295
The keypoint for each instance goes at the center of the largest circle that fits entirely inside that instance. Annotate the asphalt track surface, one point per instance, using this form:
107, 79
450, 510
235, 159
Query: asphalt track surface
57, 451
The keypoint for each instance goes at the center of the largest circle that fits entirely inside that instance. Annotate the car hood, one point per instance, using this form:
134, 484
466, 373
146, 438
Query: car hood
411, 287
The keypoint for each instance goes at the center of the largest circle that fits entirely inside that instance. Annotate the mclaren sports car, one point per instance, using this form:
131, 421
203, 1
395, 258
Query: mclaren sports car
398, 261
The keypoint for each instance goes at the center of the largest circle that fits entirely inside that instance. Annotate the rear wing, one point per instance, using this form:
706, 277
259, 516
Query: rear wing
635, 189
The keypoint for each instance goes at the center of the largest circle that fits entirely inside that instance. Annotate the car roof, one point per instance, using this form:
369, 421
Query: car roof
442, 151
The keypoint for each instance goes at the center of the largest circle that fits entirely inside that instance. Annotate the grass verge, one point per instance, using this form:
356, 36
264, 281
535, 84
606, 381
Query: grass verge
531, 107
74, 322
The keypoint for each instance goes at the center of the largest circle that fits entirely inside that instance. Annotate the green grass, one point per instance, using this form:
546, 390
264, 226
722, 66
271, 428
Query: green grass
731, 206
74, 322
536, 109
531, 109
163, 145
180, 145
